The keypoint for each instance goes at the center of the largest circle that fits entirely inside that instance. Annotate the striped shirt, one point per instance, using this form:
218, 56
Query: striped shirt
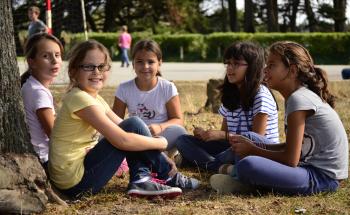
240, 121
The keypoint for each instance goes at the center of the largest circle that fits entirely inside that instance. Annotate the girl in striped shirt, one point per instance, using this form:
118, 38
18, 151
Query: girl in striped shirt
247, 106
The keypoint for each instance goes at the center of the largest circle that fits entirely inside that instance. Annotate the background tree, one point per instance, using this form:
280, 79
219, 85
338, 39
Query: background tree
272, 15
233, 17
249, 16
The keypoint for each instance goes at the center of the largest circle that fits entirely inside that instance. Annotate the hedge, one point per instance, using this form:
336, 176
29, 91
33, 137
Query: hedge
326, 48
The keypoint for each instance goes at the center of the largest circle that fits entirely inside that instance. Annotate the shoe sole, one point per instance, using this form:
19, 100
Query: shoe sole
166, 194
225, 184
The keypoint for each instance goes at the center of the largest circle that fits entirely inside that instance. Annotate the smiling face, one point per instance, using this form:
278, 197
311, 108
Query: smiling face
146, 65
236, 71
276, 73
47, 62
92, 81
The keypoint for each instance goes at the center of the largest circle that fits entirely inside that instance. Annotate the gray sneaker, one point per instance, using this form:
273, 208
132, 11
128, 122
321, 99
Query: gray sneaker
184, 182
226, 184
151, 188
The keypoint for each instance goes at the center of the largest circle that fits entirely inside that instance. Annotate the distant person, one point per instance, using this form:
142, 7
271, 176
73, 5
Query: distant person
149, 96
315, 156
36, 25
43, 54
124, 43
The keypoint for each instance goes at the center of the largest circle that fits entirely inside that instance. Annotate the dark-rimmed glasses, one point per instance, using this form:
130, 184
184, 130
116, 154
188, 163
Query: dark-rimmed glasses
91, 67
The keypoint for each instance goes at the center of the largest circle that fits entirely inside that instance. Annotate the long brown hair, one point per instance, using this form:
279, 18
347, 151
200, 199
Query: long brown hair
310, 76
31, 50
77, 56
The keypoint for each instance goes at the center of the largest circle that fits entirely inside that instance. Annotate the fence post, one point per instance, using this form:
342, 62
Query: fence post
181, 52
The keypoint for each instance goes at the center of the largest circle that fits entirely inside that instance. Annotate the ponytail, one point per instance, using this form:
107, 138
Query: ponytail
319, 85
24, 77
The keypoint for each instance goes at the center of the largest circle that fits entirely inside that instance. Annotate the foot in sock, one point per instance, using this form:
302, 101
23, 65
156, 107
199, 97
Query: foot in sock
152, 189
184, 182
226, 184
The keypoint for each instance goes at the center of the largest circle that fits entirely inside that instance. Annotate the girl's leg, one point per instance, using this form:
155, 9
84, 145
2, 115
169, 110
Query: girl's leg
201, 153
171, 133
100, 164
265, 173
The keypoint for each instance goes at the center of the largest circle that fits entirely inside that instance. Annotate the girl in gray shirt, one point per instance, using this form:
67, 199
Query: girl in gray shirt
315, 156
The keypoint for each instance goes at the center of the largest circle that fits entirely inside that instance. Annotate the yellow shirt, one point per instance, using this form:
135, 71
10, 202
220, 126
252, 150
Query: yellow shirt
71, 138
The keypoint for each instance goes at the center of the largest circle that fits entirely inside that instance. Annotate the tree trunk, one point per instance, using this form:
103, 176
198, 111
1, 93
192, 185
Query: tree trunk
223, 17
339, 15
111, 11
293, 17
248, 16
272, 15
74, 13
232, 10
23, 182
310, 16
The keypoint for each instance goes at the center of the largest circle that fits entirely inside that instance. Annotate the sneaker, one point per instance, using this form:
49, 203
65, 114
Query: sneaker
151, 188
225, 184
226, 169
123, 169
184, 182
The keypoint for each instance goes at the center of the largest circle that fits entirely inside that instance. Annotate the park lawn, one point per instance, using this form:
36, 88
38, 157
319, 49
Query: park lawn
114, 200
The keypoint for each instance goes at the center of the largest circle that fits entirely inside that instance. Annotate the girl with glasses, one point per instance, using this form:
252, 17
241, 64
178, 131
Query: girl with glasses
248, 108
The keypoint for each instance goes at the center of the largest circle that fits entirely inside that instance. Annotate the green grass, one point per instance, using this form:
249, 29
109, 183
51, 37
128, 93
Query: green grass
113, 199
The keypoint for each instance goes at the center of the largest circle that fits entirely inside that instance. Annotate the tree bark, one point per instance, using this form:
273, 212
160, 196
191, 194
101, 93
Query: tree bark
310, 16
293, 17
272, 15
248, 16
23, 184
339, 15
111, 11
232, 10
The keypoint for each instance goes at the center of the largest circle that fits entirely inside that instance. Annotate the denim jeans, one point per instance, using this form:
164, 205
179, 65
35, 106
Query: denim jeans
208, 155
102, 161
124, 56
171, 133
271, 175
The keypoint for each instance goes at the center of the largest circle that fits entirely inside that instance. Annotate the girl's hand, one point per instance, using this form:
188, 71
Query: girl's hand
212, 135
198, 131
155, 129
241, 145
172, 164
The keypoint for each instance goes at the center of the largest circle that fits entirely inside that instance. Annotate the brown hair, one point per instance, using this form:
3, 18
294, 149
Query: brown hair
150, 46
77, 56
31, 50
34, 9
312, 77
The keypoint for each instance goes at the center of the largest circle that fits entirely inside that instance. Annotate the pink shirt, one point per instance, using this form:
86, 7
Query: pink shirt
125, 40
36, 96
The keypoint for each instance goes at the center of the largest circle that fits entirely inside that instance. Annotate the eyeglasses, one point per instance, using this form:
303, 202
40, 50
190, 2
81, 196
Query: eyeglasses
235, 65
91, 67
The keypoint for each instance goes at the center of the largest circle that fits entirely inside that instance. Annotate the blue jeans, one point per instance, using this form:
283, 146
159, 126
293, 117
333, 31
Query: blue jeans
172, 133
209, 155
124, 56
271, 175
102, 161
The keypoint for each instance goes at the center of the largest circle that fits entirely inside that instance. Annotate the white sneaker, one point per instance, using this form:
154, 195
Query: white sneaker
225, 184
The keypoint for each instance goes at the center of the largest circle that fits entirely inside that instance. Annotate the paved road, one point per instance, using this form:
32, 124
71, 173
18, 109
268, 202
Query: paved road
178, 71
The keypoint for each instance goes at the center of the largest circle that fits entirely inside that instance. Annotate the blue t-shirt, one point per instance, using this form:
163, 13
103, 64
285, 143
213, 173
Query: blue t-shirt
240, 121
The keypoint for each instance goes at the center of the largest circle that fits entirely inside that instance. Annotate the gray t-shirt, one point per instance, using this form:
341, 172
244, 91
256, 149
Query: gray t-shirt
325, 143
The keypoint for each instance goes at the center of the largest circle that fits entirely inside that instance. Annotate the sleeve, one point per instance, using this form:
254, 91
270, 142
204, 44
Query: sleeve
43, 99
264, 102
171, 91
120, 93
223, 111
297, 102
78, 101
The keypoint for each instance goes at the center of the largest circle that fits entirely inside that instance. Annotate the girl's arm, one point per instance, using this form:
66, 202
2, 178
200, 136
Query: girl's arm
119, 107
290, 153
210, 135
173, 107
259, 123
46, 118
95, 116
114, 117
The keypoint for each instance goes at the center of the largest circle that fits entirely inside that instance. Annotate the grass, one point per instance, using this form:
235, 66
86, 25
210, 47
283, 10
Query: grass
114, 200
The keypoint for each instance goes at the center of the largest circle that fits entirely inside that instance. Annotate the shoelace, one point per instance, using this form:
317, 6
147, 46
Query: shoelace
156, 180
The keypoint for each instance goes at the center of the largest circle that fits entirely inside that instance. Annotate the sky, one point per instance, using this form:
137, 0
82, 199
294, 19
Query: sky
215, 4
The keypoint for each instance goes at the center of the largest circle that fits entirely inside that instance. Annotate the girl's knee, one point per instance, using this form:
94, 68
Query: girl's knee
247, 166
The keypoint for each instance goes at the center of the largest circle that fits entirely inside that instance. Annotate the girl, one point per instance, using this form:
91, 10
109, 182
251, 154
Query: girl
43, 53
79, 163
315, 155
247, 106
151, 97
